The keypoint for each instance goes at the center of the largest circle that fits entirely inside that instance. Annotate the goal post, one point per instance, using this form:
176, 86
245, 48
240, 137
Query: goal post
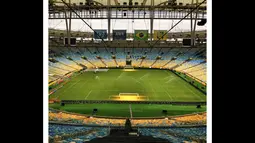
128, 94
128, 67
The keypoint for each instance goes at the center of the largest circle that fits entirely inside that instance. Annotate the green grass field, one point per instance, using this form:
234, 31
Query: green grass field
154, 85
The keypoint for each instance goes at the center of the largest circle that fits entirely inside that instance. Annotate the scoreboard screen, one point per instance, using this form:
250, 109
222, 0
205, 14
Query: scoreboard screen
72, 41
186, 42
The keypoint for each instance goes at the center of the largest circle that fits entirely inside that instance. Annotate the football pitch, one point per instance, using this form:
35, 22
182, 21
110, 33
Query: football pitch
137, 84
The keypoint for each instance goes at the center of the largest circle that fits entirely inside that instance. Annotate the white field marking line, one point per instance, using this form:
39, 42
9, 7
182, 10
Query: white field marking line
169, 80
84, 83
167, 72
168, 77
192, 92
88, 94
168, 95
144, 76
139, 83
136, 80
130, 111
74, 83
70, 86
119, 76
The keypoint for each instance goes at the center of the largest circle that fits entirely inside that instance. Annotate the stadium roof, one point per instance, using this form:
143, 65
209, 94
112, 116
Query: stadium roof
146, 2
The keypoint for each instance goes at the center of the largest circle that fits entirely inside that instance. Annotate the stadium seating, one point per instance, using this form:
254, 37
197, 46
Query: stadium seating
196, 67
151, 122
79, 128
80, 134
195, 132
77, 134
176, 135
157, 133
79, 119
193, 119
64, 129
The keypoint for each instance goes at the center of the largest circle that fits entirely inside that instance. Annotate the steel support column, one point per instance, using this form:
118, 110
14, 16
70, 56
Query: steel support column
67, 31
69, 36
191, 26
194, 30
109, 20
151, 20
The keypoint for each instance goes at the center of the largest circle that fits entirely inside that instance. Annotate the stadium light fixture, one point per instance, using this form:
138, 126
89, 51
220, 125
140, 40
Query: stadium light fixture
202, 22
53, 60
69, 58
189, 59
83, 57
